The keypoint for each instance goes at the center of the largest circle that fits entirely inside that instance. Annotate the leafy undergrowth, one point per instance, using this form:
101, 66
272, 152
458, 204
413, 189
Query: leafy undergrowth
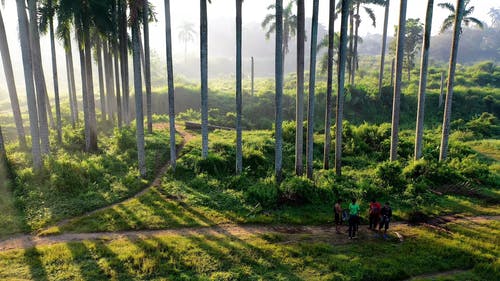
73, 182
204, 192
11, 220
224, 256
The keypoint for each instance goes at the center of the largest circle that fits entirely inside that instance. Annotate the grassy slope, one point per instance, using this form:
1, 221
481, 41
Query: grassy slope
470, 245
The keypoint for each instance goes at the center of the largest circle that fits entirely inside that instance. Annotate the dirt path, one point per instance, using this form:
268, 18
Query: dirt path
291, 233
437, 274
186, 137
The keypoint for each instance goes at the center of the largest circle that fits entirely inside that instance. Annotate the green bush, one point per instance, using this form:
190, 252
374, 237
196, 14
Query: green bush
389, 174
298, 191
262, 192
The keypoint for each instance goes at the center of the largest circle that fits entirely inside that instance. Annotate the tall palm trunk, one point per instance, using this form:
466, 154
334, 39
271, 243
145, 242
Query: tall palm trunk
11, 84
312, 86
419, 134
102, 93
239, 147
443, 153
147, 67
30, 87
252, 74
341, 80
355, 51
278, 134
108, 78
384, 44
329, 88
71, 79
70, 94
124, 60
119, 111
136, 50
90, 88
351, 43
204, 77
170, 78
55, 77
398, 85
83, 75
299, 110
39, 77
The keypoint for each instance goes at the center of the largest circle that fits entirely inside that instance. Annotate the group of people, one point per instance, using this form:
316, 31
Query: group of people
378, 216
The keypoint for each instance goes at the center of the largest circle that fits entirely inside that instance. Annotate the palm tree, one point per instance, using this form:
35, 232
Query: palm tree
100, 73
147, 64
135, 6
170, 78
419, 134
47, 12
108, 74
30, 87
398, 85
204, 76
11, 85
384, 44
278, 68
457, 30
341, 80
329, 88
289, 25
467, 19
39, 76
123, 43
299, 115
312, 84
186, 35
239, 148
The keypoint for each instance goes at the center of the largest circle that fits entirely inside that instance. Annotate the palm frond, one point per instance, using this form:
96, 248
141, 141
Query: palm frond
371, 15
477, 22
450, 7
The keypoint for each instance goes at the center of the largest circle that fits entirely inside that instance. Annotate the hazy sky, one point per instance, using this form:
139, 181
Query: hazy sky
224, 11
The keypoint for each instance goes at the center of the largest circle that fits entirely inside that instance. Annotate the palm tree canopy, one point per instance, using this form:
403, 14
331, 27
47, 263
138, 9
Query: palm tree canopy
468, 20
187, 32
289, 20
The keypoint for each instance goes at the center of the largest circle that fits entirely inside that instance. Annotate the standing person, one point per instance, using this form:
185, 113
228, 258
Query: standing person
338, 215
353, 218
374, 214
386, 214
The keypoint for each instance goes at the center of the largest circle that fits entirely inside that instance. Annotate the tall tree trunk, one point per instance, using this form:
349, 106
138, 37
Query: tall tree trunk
119, 111
441, 90
102, 93
457, 30
124, 61
39, 77
147, 67
30, 87
108, 77
11, 84
312, 88
70, 93
141, 153
351, 43
56, 79
279, 92
341, 80
384, 44
69, 55
83, 75
170, 78
90, 89
239, 147
355, 53
329, 88
204, 77
299, 109
253, 78
398, 85
419, 133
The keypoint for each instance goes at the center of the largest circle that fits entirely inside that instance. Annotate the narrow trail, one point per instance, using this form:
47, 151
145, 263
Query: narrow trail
293, 233
186, 137
437, 274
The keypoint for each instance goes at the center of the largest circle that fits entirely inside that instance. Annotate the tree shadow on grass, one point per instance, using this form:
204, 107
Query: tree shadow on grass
32, 257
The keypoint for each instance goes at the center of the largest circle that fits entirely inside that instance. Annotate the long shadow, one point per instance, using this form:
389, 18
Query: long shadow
113, 267
33, 258
86, 261
162, 211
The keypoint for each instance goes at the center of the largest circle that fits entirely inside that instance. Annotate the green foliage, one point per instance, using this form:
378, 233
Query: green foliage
298, 191
389, 174
264, 193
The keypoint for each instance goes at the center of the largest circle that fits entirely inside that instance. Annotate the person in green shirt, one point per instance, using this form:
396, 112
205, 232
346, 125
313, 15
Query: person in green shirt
353, 218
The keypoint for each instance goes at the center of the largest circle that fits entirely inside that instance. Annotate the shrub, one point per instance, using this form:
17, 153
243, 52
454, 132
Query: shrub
389, 174
298, 191
262, 192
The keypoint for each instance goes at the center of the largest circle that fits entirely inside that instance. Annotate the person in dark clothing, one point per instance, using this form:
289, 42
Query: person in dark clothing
386, 215
374, 214
338, 215
353, 218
